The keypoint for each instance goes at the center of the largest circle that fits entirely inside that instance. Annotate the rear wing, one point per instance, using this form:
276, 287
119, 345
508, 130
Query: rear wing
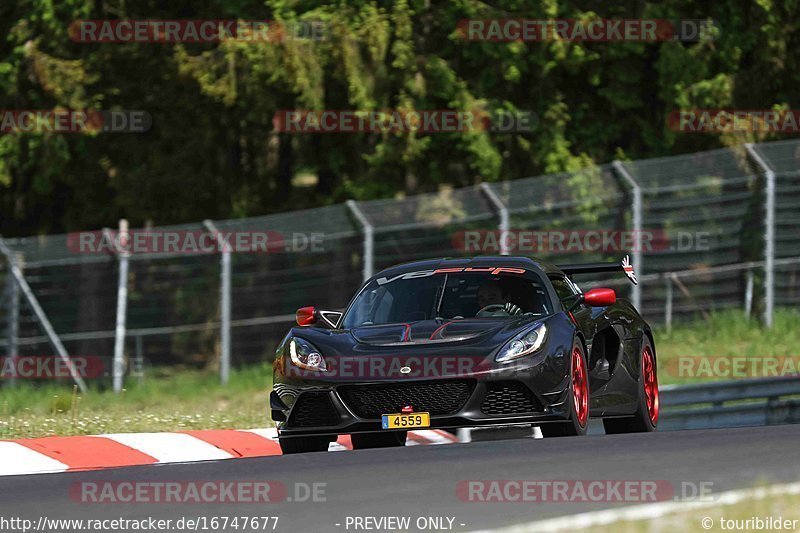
596, 268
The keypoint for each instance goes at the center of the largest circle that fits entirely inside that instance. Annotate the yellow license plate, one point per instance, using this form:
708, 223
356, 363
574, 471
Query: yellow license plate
406, 421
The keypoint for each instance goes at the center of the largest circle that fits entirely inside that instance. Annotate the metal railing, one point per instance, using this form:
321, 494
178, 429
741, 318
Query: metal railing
738, 403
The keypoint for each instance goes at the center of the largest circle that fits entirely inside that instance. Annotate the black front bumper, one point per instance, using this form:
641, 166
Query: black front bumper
453, 403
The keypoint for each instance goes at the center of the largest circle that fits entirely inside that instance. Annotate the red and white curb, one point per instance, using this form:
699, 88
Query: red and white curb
61, 454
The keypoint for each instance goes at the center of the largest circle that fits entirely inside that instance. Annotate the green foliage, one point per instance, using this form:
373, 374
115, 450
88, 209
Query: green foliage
213, 151
167, 400
728, 334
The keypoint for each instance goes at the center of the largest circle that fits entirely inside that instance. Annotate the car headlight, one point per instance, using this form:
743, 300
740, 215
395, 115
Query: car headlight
523, 344
305, 355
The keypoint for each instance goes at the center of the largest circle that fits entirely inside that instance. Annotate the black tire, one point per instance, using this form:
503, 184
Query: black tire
390, 439
303, 444
573, 426
641, 422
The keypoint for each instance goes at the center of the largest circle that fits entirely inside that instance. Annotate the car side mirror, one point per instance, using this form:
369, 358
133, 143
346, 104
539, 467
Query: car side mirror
308, 316
600, 297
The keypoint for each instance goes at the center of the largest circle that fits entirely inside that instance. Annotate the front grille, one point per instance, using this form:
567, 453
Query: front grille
508, 398
313, 409
434, 397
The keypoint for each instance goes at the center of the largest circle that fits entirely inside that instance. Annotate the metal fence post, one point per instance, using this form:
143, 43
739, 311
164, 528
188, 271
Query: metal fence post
139, 361
41, 316
619, 168
12, 346
668, 305
225, 303
502, 213
369, 238
748, 293
769, 235
123, 256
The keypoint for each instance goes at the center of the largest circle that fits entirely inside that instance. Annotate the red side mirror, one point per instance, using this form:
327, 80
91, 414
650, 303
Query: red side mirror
306, 316
600, 297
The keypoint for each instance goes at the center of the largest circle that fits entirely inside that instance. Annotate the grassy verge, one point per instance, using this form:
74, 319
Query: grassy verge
189, 399
720, 518
684, 352
173, 401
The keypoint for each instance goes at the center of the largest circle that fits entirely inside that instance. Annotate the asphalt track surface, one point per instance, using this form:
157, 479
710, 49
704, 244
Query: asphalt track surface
421, 481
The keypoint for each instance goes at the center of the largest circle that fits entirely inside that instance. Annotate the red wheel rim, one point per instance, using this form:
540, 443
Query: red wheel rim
580, 387
650, 384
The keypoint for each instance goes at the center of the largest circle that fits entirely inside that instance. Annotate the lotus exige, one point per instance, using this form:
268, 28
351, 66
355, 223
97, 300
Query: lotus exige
451, 343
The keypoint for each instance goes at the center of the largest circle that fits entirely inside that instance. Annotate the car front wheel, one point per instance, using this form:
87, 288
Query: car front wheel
646, 417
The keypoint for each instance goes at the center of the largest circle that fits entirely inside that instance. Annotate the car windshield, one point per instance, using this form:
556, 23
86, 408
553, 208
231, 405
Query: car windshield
405, 299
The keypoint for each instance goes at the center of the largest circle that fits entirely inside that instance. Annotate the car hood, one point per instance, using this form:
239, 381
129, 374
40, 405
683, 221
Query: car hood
380, 352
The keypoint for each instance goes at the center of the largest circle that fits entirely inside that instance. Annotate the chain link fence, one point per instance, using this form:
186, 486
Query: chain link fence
707, 231
784, 159
706, 206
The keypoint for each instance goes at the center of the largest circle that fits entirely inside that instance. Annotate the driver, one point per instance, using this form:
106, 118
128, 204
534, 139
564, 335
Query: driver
492, 293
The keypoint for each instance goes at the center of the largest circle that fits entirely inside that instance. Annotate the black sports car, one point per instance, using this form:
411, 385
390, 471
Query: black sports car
450, 343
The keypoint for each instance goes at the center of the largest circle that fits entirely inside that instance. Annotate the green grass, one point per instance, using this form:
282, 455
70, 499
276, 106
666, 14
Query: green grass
178, 399
783, 506
728, 334
168, 401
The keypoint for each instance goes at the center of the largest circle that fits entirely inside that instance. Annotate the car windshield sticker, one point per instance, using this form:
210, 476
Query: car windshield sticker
426, 273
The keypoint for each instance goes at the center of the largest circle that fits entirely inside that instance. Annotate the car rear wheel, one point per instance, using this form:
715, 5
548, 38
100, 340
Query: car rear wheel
646, 417
303, 444
579, 398
378, 440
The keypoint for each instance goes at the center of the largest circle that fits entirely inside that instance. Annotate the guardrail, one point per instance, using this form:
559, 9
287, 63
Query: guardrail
723, 404
738, 403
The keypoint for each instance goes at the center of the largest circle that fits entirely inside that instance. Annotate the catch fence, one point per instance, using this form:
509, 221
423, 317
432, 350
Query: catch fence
707, 231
